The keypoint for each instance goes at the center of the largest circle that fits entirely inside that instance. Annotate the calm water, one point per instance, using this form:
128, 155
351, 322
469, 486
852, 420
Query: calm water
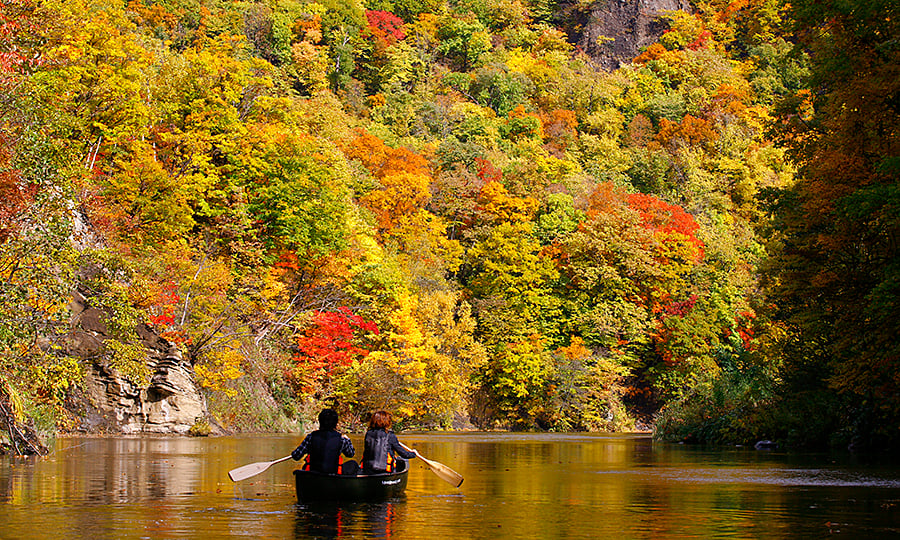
516, 486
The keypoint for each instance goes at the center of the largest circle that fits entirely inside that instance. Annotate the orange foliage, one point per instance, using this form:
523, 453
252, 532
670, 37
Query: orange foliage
731, 99
607, 198
690, 132
560, 128
640, 131
560, 120
669, 220
575, 351
401, 195
153, 15
309, 27
732, 9
14, 196
653, 52
382, 160
405, 179
519, 113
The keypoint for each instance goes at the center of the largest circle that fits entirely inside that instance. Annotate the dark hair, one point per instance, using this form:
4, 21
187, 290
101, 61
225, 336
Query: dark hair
380, 420
328, 419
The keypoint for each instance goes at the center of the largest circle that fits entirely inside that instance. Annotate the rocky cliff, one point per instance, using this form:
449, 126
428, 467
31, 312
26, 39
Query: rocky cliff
613, 32
169, 402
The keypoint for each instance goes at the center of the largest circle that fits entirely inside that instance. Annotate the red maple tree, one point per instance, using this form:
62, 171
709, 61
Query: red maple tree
385, 26
329, 341
658, 215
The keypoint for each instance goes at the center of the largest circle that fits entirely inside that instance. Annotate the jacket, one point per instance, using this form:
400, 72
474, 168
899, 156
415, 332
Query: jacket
323, 451
381, 451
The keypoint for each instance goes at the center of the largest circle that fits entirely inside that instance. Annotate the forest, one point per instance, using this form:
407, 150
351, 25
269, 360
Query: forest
447, 208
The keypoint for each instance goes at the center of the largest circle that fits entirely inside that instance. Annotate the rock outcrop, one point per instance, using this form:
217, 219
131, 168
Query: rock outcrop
170, 402
613, 32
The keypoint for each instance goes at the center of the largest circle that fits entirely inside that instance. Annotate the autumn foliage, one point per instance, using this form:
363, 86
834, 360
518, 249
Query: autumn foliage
329, 340
669, 223
332, 341
457, 215
385, 26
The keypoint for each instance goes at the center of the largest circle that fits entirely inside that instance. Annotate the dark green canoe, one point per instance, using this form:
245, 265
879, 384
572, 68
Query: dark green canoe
314, 486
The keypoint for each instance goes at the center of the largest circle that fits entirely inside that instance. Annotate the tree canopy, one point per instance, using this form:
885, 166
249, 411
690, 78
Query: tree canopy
449, 210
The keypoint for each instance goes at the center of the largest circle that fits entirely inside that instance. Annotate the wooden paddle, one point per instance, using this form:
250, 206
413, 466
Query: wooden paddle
252, 469
444, 472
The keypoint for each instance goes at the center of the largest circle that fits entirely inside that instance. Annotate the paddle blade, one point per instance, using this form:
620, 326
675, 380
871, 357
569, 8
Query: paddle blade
445, 473
247, 471
242, 473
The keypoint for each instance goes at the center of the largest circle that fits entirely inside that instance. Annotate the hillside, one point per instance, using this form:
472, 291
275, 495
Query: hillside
514, 215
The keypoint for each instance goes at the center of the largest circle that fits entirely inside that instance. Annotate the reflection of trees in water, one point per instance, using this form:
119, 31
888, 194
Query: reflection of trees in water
21, 482
348, 520
130, 469
7, 483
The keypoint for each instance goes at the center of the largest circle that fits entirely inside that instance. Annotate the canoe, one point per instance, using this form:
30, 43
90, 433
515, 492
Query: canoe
315, 486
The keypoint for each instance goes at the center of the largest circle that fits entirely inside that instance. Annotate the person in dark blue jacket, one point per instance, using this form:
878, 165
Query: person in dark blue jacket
382, 446
324, 448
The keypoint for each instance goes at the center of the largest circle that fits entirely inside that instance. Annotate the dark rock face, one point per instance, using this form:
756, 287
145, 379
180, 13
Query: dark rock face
170, 402
613, 32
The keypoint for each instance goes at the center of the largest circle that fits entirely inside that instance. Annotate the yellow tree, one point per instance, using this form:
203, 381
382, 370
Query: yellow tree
423, 370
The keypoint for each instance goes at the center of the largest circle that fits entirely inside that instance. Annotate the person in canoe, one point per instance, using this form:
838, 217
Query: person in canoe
325, 448
382, 446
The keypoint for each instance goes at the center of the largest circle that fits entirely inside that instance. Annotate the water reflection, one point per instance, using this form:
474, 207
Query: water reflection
774, 476
122, 470
517, 486
330, 520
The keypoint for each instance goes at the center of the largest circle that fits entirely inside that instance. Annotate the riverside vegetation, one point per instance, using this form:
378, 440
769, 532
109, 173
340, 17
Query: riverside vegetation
452, 210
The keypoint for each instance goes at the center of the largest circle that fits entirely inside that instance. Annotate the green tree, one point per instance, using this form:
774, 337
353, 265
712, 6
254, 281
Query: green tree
513, 281
836, 278
297, 190
462, 40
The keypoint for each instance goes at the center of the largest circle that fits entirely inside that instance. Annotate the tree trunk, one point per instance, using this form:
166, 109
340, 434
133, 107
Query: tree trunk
24, 440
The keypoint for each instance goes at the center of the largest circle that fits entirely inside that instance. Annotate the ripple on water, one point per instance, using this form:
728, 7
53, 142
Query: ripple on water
774, 476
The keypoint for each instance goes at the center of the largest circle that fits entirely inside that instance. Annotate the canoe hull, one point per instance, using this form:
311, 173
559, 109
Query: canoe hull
312, 486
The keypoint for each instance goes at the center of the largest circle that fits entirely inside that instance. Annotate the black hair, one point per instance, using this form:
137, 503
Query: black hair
328, 419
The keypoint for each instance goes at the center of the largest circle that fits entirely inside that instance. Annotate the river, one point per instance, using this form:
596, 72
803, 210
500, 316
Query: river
541, 486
